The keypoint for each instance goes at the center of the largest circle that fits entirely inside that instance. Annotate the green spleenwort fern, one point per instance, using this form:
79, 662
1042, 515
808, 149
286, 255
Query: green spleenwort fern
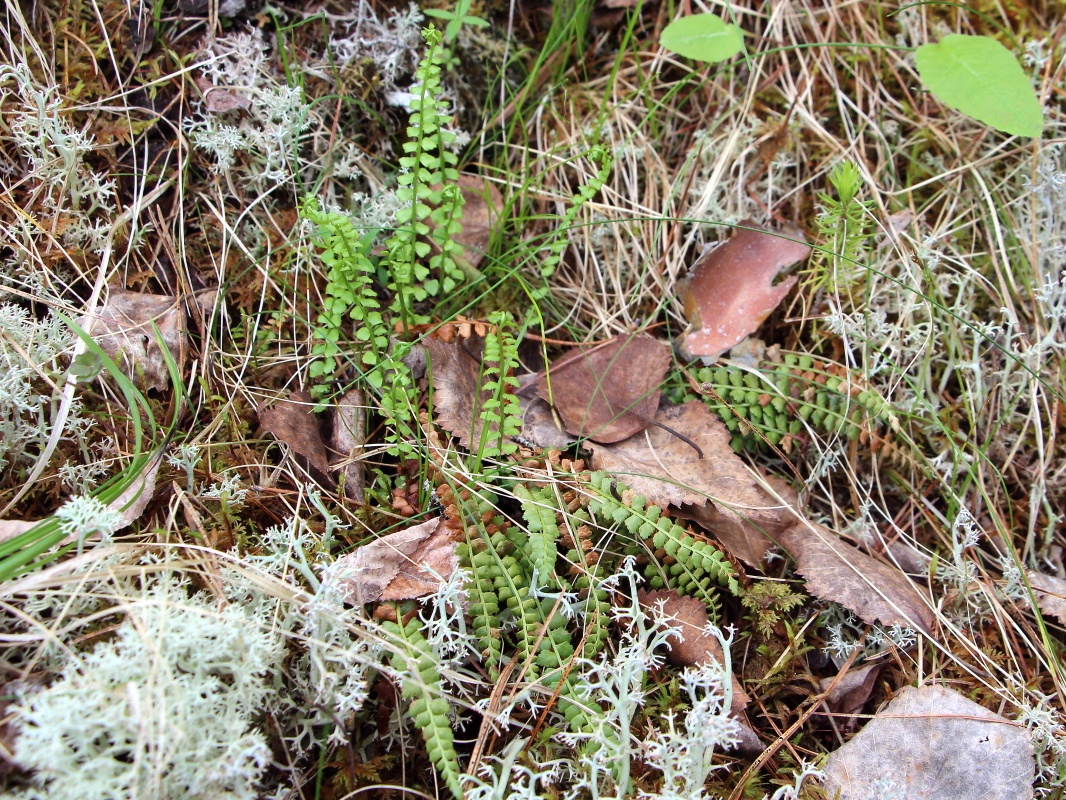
774, 403
421, 687
681, 561
349, 293
429, 192
598, 155
500, 414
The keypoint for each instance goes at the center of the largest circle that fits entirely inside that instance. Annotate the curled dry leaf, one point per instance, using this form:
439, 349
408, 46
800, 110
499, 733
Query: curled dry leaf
836, 571
457, 395
346, 442
730, 290
130, 504
294, 423
123, 329
610, 391
661, 465
749, 534
218, 99
404, 565
850, 692
931, 743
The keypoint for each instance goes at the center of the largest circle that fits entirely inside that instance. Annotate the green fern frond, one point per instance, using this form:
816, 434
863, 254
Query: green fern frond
538, 509
421, 688
598, 155
349, 293
682, 562
772, 403
500, 413
428, 191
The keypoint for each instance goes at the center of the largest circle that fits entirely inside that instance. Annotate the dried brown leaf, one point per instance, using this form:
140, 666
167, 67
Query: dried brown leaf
931, 743
667, 470
481, 210
218, 99
851, 691
294, 423
123, 329
836, 571
346, 441
730, 290
749, 535
404, 565
1050, 594
610, 391
457, 393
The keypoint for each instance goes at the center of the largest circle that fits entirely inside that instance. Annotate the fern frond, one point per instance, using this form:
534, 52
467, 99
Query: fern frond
773, 403
421, 688
682, 562
539, 512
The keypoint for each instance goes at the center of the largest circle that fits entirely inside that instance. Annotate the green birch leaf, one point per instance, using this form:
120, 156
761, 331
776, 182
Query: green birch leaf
704, 37
981, 78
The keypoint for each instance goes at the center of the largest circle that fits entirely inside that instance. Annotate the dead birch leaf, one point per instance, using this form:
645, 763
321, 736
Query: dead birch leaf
293, 422
481, 210
10, 528
404, 565
836, 571
696, 646
346, 440
730, 291
749, 535
932, 743
667, 470
539, 427
123, 329
1050, 594
608, 392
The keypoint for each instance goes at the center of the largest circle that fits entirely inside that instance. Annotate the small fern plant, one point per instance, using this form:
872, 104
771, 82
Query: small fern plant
500, 414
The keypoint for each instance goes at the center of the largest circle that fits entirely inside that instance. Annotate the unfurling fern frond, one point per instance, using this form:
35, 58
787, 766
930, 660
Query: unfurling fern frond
420, 684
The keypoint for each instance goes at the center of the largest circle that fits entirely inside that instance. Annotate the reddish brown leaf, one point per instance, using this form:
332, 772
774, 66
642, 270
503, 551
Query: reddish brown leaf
218, 99
1050, 594
404, 565
850, 693
749, 534
481, 209
730, 290
836, 571
608, 392
457, 396
123, 329
293, 422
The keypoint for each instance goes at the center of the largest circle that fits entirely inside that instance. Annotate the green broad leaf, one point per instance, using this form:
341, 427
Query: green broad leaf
981, 78
704, 37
